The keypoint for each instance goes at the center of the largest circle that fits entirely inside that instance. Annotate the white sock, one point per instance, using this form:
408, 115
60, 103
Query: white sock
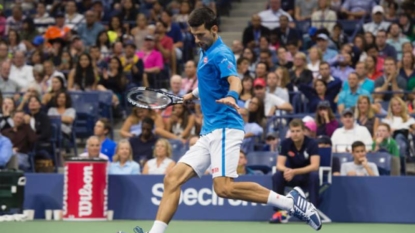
280, 201
158, 227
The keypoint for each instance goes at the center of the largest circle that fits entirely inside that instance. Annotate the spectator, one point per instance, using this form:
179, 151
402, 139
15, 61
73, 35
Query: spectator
90, 30
360, 166
28, 33
143, 144
298, 163
4, 51
324, 17
237, 48
63, 109
129, 11
66, 62
322, 44
102, 129
252, 130
378, 22
402, 124
58, 85
299, 74
276, 84
372, 67
21, 73
31, 91
256, 111
140, 31
344, 68
407, 70
325, 75
3, 22
15, 21
270, 18
153, 60
396, 39
251, 56
283, 60
325, 119
164, 44
247, 91
39, 81
50, 72
325, 142
190, 82
319, 92
407, 26
183, 15
252, 33
344, 137
383, 142
391, 81
93, 148
113, 80
173, 31
181, 122
284, 32
364, 82
132, 125
315, 57
7, 86
385, 50
271, 102
162, 162
356, 10
266, 56
365, 115
38, 120
72, 17
348, 98
6, 115
242, 169
261, 70
77, 48
42, 17
133, 64
304, 9
15, 42
6, 153
83, 76
391, 11
123, 160
23, 139
338, 37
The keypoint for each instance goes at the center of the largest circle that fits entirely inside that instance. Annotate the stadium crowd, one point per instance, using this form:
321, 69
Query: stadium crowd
343, 70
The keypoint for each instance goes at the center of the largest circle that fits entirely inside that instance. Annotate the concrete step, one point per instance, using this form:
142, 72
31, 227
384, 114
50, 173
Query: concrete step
233, 28
253, 5
243, 12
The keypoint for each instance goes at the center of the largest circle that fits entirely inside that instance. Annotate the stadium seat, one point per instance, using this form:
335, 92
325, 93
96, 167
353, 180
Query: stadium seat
105, 108
325, 164
56, 138
382, 161
344, 157
261, 160
178, 149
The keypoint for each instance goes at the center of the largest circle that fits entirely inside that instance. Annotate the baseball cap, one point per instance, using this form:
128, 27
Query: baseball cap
323, 36
311, 125
38, 40
149, 37
259, 82
347, 111
323, 104
324, 140
312, 31
377, 9
271, 136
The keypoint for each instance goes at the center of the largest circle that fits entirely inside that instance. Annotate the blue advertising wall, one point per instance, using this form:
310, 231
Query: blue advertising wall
357, 199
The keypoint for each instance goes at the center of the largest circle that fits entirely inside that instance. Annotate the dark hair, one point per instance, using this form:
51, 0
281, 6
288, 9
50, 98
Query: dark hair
391, 59
297, 123
106, 123
265, 64
119, 78
163, 23
254, 56
386, 125
375, 59
371, 46
148, 120
324, 63
17, 36
259, 115
203, 16
382, 30
241, 59
98, 42
68, 99
292, 42
84, 75
358, 144
267, 51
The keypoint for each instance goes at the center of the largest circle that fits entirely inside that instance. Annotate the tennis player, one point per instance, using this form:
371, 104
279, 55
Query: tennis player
222, 134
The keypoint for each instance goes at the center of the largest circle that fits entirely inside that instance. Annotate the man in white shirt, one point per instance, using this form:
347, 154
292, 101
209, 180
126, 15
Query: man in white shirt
72, 17
93, 147
360, 166
271, 102
271, 18
378, 23
343, 138
21, 73
42, 17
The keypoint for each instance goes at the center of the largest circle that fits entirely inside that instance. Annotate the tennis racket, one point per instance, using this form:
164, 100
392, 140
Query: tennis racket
149, 98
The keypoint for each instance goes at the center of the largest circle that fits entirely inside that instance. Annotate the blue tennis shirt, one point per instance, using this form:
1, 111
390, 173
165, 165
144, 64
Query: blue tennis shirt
214, 67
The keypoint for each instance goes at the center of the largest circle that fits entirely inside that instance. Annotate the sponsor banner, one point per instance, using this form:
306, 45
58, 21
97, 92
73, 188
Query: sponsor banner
357, 199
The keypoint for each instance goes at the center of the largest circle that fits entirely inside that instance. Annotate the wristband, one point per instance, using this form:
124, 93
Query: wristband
233, 94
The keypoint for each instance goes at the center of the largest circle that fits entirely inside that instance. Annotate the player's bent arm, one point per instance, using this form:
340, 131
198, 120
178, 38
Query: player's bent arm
281, 163
314, 166
235, 84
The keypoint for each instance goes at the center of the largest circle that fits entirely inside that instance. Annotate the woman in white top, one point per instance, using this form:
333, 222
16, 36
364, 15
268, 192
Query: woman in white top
63, 109
123, 160
315, 56
162, 163
402, 125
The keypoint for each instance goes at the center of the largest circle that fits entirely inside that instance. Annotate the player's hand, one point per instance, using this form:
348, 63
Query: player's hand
230, 101
188, 97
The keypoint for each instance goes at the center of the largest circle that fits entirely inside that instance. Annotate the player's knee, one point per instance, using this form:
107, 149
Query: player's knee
171, 180
222, 190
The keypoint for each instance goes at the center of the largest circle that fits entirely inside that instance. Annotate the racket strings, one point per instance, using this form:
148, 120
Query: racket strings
150, 99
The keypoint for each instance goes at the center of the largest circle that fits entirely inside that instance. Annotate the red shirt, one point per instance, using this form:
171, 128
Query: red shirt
167, 43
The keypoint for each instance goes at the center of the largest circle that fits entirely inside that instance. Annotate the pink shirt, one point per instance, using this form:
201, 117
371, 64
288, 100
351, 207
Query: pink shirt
189, 84
152, 59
